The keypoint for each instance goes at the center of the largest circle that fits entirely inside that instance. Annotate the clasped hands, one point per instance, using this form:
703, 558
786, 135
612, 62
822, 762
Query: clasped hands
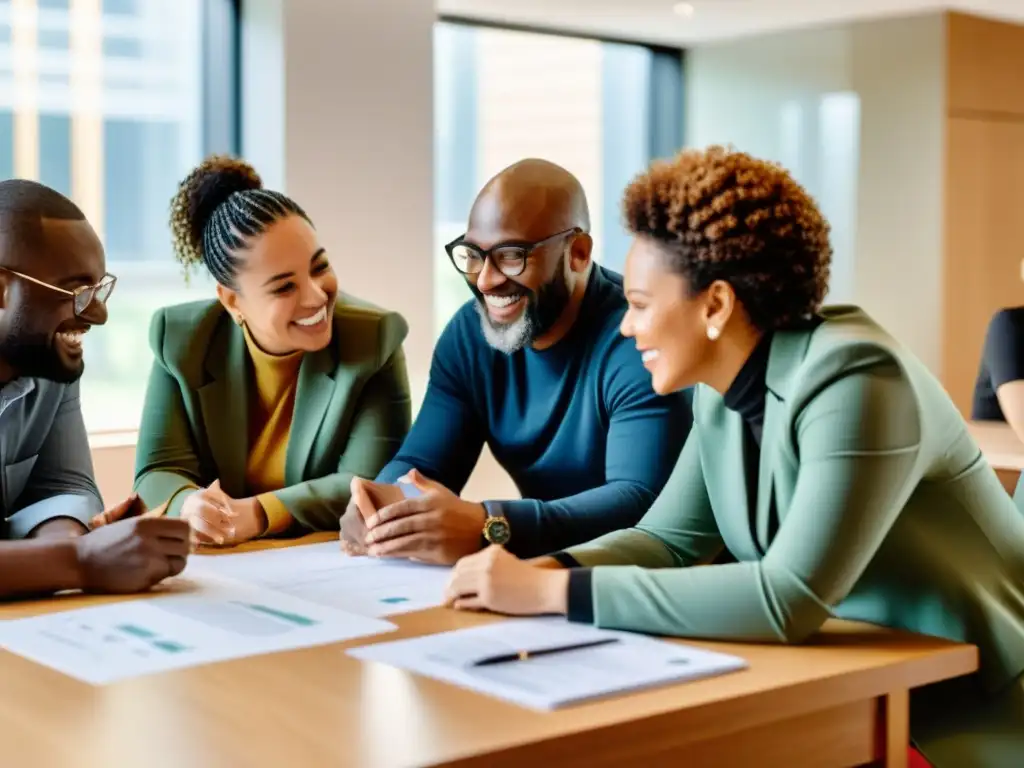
435, 527
214, 517
439, 527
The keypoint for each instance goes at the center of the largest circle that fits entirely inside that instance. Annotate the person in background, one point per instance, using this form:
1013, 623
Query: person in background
999, 388
824, 455
264, 403
53, 289
534, 366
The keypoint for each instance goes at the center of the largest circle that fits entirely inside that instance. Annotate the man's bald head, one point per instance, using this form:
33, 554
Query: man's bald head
530, 248
529, 200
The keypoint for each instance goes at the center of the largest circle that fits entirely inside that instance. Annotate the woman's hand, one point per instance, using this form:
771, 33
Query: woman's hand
367, 497
210, 514
249, 517
494, 580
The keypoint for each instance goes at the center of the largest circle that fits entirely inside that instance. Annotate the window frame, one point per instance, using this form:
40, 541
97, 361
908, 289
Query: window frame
661, 94
667, 96
222, 76
221, 55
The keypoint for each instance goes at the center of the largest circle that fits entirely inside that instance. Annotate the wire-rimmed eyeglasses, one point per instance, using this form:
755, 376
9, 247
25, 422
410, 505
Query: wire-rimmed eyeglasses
83, 296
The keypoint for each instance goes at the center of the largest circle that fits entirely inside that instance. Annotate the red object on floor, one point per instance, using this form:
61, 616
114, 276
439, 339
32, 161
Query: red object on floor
916, 760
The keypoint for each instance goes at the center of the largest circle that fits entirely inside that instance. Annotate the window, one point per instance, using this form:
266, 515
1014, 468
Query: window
591, 106
104, 101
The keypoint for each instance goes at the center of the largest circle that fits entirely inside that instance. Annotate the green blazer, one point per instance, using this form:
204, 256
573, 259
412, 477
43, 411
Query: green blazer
352, 409
886, 513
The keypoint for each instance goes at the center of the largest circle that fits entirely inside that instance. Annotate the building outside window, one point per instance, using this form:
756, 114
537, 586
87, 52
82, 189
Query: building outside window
103, 101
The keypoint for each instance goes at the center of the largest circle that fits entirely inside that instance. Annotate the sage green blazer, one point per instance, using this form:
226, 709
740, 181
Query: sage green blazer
352, 409
884, 512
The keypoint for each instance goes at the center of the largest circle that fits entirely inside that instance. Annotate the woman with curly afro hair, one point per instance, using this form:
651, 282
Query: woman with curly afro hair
264, 403
825, 458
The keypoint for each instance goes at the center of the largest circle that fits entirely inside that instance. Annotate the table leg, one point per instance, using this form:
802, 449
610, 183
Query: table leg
895, 714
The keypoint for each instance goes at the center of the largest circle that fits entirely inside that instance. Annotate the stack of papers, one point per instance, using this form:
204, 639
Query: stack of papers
227, 607
236, 605
197, 623
557, 676
321, 574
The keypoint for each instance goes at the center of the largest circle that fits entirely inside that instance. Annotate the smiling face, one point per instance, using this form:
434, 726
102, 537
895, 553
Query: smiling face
517, 310
668, 324
533, 229
40, 334
286, 289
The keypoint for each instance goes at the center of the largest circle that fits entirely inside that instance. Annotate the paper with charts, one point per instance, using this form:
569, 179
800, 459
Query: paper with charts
197, 621
321, 574
629, 662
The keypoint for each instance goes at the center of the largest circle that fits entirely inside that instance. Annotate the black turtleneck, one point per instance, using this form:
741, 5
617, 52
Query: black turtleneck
747, 392
746, 396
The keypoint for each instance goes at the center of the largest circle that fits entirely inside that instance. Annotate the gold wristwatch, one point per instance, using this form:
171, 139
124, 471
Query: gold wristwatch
496, 528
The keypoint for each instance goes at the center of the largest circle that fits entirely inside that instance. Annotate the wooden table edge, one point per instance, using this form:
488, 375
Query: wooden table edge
731, 715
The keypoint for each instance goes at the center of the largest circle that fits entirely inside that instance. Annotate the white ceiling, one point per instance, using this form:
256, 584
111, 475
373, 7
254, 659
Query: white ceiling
654, 21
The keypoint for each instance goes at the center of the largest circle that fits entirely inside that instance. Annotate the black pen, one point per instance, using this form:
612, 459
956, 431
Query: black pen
524, 655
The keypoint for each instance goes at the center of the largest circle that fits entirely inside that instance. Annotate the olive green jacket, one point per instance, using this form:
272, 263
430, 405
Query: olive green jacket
352, 409
873, 504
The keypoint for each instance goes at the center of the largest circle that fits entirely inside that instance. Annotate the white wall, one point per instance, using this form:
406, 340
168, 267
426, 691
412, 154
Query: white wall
856, 113
338, 111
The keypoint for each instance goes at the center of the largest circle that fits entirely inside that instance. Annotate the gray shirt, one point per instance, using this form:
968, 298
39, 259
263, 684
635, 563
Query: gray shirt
44, 456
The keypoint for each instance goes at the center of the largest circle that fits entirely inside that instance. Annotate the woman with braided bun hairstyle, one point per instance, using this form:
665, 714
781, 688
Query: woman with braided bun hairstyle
264, 403
824, 457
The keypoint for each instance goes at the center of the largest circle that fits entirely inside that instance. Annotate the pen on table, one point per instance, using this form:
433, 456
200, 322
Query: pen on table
524, 655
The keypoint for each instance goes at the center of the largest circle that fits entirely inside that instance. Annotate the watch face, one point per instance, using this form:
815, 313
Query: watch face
498, 531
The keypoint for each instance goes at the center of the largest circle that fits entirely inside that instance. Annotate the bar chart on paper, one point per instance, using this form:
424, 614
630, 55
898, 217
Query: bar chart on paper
321, 574
98, 638
218, 621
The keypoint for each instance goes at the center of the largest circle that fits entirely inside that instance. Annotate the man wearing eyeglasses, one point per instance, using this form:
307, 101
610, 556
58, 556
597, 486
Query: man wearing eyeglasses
53, 289
534, 366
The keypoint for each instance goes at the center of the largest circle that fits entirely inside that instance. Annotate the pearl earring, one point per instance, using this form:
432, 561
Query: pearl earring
713, 332
239, 320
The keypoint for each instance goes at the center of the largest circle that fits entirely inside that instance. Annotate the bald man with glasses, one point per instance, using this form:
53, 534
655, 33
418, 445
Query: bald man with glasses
53, 290
534, 366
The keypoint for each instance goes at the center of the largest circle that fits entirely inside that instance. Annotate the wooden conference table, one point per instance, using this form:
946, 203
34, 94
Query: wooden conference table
999, 444
1002, 448
842, 701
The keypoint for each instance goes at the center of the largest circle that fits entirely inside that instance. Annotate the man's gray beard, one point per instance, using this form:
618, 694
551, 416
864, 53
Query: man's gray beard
507, 337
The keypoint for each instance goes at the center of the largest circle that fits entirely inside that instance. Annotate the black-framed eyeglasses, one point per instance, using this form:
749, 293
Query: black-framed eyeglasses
509, 257
83, 296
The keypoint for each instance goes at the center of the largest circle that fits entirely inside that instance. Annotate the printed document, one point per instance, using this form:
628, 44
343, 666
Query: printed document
555, 679
197, 622
322, 574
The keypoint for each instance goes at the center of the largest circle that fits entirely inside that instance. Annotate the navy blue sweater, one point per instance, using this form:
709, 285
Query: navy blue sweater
577, 426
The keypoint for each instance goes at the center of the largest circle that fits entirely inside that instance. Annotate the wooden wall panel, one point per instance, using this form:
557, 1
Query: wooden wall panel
984, 189
985, 66
983, 240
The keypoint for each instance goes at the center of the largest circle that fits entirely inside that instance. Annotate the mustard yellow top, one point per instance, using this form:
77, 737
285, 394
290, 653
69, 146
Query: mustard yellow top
352, 410
270, 424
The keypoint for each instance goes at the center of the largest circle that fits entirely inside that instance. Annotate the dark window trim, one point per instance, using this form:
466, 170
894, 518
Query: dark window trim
486, 24
667, 104
222, 76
